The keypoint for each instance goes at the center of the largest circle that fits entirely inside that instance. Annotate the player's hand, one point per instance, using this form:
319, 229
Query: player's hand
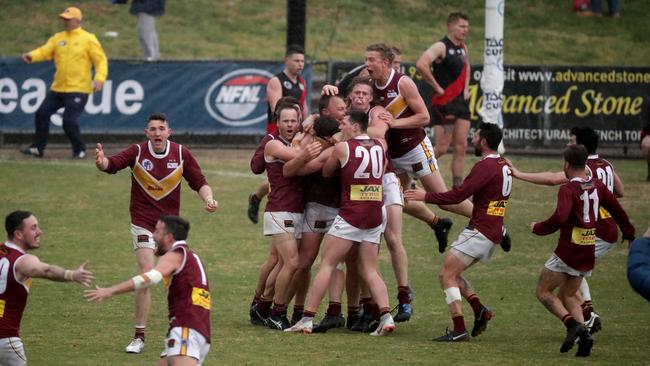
532, 225
386, 117
211, 205
466, 94
98, 294
100, 159
97, 86
27, 57
82, 275
438, 90
308, 124
329, 90
414, 194
312, 151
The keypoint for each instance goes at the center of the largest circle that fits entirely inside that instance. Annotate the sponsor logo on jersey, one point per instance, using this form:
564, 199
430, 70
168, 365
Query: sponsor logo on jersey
147, 165
604, 214
391, 94
201, 297
237, 98
582, 236
366, 192
497, 208
287, 85
172, 165
61, 43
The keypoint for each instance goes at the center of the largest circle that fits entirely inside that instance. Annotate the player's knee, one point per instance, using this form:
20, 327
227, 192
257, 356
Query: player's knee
460, 147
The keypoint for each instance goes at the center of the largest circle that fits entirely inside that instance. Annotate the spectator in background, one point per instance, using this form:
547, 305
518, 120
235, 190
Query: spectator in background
638, 265
596, 8
146, 11
74, 52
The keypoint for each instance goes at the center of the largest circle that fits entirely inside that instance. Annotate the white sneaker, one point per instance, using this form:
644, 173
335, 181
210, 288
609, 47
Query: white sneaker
594, 324
386, 325
136, 346
304, 325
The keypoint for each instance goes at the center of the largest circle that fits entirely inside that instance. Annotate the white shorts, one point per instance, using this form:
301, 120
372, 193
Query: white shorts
418, 162
342, 229
555, 264
392, 190
283, 223
142, 238
602, 247
473, 244
184, 341
12, 352
318, 218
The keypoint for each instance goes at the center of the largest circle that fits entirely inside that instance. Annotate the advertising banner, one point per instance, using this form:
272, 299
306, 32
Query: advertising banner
540, 104
220, 97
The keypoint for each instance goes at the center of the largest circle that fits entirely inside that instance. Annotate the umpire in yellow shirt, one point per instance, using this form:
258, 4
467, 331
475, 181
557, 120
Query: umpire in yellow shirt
74, 52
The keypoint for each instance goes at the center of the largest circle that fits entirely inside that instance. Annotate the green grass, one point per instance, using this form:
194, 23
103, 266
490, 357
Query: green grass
536, 32
84, 214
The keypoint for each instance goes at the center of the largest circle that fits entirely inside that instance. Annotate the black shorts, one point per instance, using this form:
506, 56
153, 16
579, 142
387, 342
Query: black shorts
447, 114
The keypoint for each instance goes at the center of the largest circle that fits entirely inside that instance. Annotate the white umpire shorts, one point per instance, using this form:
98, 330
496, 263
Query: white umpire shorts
184, 341
344, 230
142, 238
419, 162
392, 190
318, 218
283, 223
555, 264
473, 244
12, 352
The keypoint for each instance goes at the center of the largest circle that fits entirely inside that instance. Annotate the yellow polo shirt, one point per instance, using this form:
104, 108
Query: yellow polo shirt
73, 52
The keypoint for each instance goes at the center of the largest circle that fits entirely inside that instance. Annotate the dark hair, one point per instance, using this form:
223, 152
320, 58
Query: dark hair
576, 156
324, 102
359, 117
294, 49
157, 116
491, 133
586, 136
396, 51
175, 225
456, 16
287, 103
326, 126
14, 221
384, 50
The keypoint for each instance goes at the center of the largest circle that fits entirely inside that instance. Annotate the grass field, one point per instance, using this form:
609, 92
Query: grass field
536, 32
84, 214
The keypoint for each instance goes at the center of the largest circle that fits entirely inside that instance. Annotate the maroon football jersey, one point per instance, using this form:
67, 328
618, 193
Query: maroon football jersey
361, 182
257, 161
189, 298
13, 294
490, 183
399, 140
155, 180
578, 203
285, 193
603, 170
326, 191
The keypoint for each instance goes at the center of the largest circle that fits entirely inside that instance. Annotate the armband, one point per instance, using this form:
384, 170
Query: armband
68, 275
148, 279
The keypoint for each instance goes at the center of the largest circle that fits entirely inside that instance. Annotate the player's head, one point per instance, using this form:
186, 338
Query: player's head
575, 158
458, 25
169, 229
486, 138
294, 59
324, 130
158, 131
288, 117
361, 94
378, 60
332, 106
586, 136
22, 229
354, 124
397, 57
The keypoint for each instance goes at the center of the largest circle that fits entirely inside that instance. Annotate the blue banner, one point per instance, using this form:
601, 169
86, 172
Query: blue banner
226, 98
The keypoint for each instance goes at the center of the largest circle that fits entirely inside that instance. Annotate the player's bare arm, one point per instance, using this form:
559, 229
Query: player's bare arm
420, 117
423, 65
297, 165
333, 163
277, 150
273, 91
31, 267
467, 77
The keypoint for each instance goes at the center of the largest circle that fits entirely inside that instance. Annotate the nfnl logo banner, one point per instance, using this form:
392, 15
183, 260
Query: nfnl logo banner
226, 98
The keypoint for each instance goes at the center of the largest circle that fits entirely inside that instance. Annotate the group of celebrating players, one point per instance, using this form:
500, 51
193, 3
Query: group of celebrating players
336, 178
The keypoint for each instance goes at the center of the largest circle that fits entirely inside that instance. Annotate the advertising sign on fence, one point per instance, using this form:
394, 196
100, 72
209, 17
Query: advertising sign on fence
227, 98
542, 103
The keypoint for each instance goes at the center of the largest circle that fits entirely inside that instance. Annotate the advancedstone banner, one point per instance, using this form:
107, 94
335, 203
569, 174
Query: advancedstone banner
227, 98
541, 103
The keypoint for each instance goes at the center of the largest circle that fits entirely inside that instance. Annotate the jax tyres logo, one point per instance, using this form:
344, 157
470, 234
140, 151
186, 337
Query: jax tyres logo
236, 98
